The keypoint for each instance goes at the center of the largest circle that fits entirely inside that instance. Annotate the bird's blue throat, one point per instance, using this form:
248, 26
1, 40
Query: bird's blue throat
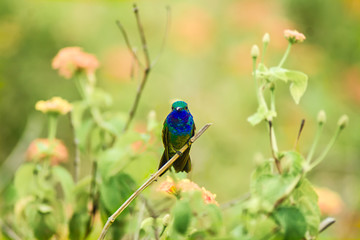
180, 122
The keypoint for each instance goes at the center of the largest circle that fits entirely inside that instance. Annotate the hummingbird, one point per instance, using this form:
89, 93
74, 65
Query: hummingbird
178, 128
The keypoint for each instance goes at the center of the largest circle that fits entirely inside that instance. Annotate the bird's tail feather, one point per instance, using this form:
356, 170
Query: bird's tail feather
183, 163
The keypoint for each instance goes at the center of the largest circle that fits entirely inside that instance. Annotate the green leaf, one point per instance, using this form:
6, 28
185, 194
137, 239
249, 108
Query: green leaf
77, 112
115, 122
78, 224
213, 213
82, 133
306, 200
292, 163
292, 222
263, 169
100, 98
62, 176
261, 226
182, 216
298, 84
257, 117
25, 181
115, 190
111, 161
271, 188
276, 73
198, 235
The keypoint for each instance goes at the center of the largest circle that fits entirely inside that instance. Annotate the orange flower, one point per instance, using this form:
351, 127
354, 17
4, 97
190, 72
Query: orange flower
168, 186
294, 36
72, 59
330, 203
41, 149
209, 198
54, 105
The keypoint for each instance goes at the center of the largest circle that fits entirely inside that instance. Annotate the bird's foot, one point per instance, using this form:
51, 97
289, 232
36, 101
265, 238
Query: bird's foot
179, 153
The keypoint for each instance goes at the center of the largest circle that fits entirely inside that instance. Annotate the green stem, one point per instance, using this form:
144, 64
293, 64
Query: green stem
52, 126
274, 142
285, 55
265, 44
254, 73
80, 87
272, 99
323, 154
316, 140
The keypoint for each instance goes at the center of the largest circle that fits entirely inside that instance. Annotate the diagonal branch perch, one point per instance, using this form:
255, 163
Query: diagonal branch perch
153, 177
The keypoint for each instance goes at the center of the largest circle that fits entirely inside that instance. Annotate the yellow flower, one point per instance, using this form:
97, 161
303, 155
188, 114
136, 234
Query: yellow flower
42, 148
54, 105
294, 36
72, 59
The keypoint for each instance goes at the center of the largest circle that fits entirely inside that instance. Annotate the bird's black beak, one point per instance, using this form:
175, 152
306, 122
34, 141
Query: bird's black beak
178, 108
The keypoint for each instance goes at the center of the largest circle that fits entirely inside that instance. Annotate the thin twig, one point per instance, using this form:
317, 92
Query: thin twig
299, 133
128, 44
235, 201
153, 177
168, 23
142, 36
10, 233
77, 151
274, 147
288, 191
327, 222
94, 199
152, 214
140, 218
146, 69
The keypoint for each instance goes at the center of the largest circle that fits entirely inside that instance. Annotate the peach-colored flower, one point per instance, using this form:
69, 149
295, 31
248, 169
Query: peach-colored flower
72, 59
185, 185
294, 36
42, 148
209, 198
168, 186
330, 203
54, 105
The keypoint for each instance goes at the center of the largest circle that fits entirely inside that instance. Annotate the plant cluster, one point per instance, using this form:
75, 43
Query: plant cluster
47, 201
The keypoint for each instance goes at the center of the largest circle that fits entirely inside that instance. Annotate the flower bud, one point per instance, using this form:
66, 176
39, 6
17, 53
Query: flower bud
255, 51
166, 220
294, 36
343, 121
266, 38
321, 118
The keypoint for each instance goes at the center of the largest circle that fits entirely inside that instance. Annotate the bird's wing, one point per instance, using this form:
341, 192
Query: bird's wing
165, 156
165, 134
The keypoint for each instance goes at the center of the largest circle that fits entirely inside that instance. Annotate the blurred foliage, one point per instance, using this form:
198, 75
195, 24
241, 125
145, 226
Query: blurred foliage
207, 63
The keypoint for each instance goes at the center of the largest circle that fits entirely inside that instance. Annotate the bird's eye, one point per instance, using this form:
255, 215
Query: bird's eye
172, 108
186, 108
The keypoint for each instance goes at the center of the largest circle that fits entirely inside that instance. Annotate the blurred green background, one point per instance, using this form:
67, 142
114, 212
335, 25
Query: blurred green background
207, 63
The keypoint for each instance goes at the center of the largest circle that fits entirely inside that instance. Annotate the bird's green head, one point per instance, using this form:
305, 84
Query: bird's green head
180, 105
